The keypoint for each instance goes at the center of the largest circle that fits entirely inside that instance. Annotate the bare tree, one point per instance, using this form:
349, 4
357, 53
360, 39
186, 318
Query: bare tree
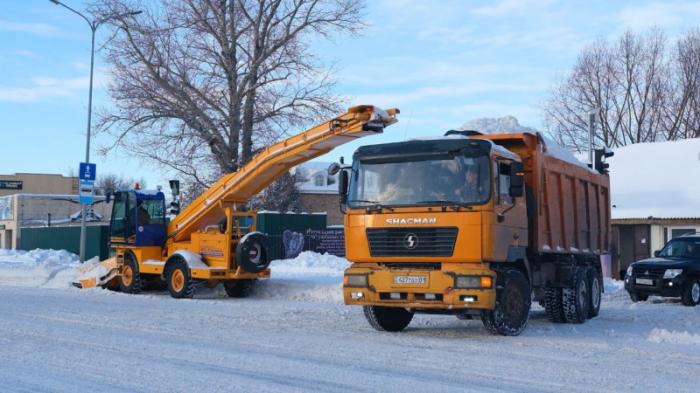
198, 85
109, 183
282, 196
643, 91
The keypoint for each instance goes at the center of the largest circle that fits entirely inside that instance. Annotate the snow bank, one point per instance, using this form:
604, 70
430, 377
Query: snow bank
673, 337
308, 277
45, 268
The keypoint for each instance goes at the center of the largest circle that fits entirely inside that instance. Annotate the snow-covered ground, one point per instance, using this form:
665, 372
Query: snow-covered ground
294, 334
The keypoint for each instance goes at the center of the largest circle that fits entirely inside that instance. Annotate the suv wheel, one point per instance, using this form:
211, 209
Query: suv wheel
691, 293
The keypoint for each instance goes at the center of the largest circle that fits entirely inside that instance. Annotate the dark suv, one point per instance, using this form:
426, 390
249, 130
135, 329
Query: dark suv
673, 272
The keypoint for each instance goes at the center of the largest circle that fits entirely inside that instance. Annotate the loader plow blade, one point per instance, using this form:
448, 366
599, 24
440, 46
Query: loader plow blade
97, 274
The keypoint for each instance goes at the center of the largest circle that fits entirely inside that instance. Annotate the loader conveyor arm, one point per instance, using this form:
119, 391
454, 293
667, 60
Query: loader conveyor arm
273, 161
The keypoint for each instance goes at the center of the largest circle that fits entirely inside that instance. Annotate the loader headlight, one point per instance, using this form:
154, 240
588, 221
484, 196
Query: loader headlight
672, 273
355, 280
473, 282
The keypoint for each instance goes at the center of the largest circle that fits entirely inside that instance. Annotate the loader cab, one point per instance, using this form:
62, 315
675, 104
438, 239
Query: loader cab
138, 218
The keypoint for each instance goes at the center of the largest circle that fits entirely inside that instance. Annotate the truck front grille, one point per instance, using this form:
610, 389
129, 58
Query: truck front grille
415, 242
654, 272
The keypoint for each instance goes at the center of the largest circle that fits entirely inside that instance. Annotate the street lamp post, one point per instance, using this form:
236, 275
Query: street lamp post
94, 24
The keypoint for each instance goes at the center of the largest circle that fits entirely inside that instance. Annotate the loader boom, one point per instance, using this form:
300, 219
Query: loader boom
273, 161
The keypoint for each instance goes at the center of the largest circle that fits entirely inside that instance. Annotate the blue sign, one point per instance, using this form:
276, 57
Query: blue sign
87, 171
86, 187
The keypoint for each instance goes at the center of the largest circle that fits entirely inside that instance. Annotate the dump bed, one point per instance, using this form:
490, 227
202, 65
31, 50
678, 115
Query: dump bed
568, 203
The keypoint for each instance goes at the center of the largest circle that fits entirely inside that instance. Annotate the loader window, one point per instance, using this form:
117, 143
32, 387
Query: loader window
431, 181
118, 223
151, 212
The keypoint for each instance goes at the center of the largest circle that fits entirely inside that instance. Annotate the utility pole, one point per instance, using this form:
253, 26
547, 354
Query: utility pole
94, 24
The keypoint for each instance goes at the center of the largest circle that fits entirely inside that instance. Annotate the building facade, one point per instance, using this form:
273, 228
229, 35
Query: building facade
37, 183
319, 191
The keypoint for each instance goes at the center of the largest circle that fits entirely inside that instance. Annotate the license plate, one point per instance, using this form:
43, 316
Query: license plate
644, 281
411, 280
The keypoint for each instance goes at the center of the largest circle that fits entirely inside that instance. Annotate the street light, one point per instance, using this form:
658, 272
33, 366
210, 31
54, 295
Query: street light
94, 24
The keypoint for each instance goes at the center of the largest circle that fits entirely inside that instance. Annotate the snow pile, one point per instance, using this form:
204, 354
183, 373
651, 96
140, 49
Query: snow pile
308, 277
673, 337
46, 268
669, 187
309, 263
497, 125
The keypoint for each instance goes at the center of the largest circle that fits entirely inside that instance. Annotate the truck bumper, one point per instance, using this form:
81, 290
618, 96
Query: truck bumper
437, 292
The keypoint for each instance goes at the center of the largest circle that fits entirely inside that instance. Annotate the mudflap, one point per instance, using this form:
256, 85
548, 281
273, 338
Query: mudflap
102, 274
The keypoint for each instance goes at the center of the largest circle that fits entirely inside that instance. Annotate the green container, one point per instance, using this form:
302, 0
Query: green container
67, 238
274, 225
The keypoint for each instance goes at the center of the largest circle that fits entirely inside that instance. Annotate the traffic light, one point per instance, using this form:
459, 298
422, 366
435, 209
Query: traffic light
600, 156
174, 208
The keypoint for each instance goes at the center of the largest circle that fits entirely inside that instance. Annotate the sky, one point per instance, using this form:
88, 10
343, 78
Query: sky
441, 63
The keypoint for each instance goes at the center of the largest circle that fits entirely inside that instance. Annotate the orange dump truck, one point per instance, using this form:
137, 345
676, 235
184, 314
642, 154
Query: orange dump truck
476, 226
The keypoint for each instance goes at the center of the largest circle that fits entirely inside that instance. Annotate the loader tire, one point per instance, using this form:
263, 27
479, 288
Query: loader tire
251, 253
388, 319
130, 277
553, 305
238, 288
513, 301
180, 282
576, 300
595, 291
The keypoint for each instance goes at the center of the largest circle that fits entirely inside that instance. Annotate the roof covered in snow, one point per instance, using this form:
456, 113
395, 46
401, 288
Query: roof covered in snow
313, 178
656, 180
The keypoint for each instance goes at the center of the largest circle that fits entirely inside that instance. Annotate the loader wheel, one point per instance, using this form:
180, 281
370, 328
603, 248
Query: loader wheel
180, 284
130, 278
553, 305
238, 288
388, 319
512, 311
576, 300
251, 253
595, 290
691, 293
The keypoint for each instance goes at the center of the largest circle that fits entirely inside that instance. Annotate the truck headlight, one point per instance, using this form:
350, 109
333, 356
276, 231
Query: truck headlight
672, 273
473, 282
355, 280
629, 271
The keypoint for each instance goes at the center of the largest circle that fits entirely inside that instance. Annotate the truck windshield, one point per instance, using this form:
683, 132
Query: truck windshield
682, 248
458, 180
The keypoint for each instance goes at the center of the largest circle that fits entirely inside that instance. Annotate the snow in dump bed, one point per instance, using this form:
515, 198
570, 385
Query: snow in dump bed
48, 268
660, 180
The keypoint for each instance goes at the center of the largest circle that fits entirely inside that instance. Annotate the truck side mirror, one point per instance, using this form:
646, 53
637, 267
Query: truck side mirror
108, 196
343, 187
516, 180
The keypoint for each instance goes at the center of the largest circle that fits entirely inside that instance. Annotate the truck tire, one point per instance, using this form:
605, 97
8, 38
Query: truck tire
595, 291
512, 311
180, 282
691, 293
238, 288
576, 300
553, 306
638, 297
251, 254
388, 319
130, 278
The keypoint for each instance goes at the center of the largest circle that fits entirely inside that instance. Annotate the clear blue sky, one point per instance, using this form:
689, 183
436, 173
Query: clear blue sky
441, 62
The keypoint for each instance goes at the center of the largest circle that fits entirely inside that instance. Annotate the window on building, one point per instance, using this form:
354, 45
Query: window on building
320, 180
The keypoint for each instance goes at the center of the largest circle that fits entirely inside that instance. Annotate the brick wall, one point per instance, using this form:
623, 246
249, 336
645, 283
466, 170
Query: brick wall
328, 203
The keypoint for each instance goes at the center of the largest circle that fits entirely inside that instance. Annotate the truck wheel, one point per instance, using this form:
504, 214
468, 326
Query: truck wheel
638, 297
691, 293
553, 306
512, 311
576, 299
130, 278
388, 319
180, 284
238, 288
595, 290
